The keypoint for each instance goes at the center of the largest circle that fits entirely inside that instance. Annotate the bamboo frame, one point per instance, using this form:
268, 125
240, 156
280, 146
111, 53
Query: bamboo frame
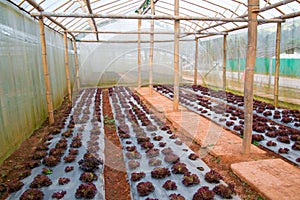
253, 7
224, 61
277, 65
149, 17
88, 5
76, 65
40, 9
151, 51
67, 67
260, 10
176, 57
145, 32
46, 72
132, 41
196, 62
139, 52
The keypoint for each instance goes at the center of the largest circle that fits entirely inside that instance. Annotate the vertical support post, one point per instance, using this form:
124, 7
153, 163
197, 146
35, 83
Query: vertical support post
67, 67
151, 50
176, 57
46, 72
253, 7
196, 63
76, 64
270, 72
224, 61
139, 51
277, 64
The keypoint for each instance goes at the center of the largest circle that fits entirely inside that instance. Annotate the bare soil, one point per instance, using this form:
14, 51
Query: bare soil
115, 176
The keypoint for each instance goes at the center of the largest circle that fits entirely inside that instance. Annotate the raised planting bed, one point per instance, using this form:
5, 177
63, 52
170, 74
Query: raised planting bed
277, 134
69, 163
157, 173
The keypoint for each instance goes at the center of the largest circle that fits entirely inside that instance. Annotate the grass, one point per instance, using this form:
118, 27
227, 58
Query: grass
255, 143
217, 160
108, 121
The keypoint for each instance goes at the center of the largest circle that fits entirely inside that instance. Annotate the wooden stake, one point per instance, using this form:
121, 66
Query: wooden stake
139, 52
277, 64
196, 63
46, 72
76, 65
151, 51
176, 57
67, 67
253, 7
224, 62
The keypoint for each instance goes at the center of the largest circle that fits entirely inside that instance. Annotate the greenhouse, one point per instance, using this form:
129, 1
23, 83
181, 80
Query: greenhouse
149, 99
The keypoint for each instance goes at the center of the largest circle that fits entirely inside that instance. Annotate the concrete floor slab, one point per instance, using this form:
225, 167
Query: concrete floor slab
274, 178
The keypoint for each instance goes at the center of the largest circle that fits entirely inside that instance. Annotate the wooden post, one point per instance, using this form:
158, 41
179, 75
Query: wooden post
224, 61
176, 57
139, 52
67, 67
46, 71
196, 63
253, 6
76, 64
270, 72
151, 50
277, 65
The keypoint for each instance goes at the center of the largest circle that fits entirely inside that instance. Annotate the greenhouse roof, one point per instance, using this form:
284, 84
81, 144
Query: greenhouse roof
208, 17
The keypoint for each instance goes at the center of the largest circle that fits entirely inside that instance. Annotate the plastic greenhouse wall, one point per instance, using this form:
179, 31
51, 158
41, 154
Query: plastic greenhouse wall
22, 91
211, 55
106, 64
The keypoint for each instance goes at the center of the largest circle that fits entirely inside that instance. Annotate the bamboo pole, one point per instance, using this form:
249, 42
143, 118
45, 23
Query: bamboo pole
176, 57
88, 5
139, 52
274, 5
40, 9
46, 72
277, 64
145, 32
224, 61
253, 7
67, 67
150, 17
76, 65
151, 51
196, 62
133, 41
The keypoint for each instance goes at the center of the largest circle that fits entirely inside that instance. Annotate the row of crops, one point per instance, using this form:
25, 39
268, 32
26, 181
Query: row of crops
69, 163
274, 128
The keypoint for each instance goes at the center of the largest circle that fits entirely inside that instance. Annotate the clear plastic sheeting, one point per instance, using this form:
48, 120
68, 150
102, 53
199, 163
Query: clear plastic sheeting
23, 104
115, 61
211, 60
201, 8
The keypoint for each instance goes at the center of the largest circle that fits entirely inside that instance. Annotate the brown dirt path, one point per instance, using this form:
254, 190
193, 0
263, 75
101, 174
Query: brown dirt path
115, 176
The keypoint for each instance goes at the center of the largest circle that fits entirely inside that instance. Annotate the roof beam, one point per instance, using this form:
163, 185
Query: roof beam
88, 5
40, 9
144, 32
287, 16
280, 3
133, 41
150, 17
